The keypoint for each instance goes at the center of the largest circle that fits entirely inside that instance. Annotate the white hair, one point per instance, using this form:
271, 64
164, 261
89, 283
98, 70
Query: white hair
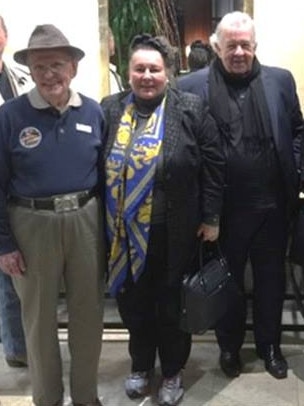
235, 19
213, 41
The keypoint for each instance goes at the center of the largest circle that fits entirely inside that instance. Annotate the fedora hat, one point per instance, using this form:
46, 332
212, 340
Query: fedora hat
45, 37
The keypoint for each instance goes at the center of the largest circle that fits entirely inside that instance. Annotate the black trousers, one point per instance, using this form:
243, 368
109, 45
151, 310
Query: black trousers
260, 236
149, 309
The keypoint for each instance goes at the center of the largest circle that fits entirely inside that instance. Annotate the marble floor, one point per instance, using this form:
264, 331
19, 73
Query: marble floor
204, 382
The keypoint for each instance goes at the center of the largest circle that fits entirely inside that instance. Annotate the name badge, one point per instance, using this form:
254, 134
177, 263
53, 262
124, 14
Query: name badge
84, 128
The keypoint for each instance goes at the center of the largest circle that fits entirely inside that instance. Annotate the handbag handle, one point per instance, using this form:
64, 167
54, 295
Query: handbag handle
216, 250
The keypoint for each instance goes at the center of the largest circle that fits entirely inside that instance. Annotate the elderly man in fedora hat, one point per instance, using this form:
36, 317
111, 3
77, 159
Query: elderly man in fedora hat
51, 219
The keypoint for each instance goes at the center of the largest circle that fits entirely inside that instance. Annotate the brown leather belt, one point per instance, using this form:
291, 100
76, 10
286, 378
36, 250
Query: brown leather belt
57, 203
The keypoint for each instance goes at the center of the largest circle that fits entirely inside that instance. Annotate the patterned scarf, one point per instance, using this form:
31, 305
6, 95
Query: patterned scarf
130, 168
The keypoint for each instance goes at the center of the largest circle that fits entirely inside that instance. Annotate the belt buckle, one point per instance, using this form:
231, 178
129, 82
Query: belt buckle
66, 203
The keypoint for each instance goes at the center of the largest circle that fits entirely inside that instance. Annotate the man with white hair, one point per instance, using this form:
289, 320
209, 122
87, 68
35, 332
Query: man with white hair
258, 113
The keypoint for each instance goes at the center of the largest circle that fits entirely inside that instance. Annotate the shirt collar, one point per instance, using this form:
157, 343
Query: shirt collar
38, 102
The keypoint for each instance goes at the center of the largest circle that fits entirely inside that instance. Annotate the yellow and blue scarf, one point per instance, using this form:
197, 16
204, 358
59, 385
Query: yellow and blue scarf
130, 169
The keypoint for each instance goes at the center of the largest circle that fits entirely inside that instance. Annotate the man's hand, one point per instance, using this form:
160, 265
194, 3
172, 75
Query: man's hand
208, 233
12, 263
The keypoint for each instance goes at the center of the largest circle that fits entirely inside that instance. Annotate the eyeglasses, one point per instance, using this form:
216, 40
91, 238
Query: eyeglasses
55, 68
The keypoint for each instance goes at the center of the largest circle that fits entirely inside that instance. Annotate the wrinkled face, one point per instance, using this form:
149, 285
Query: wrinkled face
147, 73
52, 71
236, 49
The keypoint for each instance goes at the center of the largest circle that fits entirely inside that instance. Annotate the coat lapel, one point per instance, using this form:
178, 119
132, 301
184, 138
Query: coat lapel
272, 100
116, 111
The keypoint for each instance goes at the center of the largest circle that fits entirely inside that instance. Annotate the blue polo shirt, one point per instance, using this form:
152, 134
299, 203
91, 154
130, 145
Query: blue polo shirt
44, 152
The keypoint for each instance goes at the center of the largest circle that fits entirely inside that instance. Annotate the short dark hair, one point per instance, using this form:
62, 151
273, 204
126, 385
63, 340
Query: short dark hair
200, 55
147, 41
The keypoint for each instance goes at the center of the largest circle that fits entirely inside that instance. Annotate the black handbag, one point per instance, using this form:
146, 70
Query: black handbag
207, 293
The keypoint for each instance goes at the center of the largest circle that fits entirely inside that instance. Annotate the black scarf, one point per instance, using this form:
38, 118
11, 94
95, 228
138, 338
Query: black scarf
254, 113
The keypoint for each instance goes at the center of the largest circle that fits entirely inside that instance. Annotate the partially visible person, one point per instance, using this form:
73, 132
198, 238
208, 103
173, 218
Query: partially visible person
165, 173
200, 55
51, 217
115, 79
257, 110
13, 82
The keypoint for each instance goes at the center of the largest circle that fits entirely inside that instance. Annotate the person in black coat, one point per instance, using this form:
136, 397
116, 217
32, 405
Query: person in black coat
257, 110
165, 174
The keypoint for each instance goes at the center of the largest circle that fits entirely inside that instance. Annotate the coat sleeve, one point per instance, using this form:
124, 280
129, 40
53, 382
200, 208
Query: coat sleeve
297, 127
7, 240
213, 168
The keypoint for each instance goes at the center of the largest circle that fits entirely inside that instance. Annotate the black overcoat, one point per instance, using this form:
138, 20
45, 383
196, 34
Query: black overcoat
194, 168
285, 117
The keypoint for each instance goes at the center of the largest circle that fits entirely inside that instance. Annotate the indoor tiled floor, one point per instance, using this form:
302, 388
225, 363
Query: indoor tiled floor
204, 382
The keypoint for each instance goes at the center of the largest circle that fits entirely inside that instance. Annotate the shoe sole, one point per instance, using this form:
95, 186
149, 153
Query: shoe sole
146, 389
276, 376
171, 404
231, 374
16, 364
136, 395
160, 403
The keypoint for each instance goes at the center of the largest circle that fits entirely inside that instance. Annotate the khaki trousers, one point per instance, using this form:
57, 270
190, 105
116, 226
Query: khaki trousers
70, 246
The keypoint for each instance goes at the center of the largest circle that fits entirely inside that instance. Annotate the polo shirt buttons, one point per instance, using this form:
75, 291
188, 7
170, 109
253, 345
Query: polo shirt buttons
60, 133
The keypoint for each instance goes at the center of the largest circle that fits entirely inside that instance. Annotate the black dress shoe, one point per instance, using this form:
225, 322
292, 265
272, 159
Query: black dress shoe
230, 363
17, 361
97, 402
275, 363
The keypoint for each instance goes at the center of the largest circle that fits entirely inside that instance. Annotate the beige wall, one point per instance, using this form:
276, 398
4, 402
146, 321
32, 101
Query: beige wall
77, 19
280, 36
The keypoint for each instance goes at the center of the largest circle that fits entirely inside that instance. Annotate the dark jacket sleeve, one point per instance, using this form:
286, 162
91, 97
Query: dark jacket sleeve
213, 168
287, 124
297, 126
212, 158
7, 240
195, 83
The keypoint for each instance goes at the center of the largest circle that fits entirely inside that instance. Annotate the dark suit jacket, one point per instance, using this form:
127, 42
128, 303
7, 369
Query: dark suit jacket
285, 114
193, 168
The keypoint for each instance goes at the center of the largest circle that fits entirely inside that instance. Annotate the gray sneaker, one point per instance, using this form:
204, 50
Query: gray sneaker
171, 391
137, 384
